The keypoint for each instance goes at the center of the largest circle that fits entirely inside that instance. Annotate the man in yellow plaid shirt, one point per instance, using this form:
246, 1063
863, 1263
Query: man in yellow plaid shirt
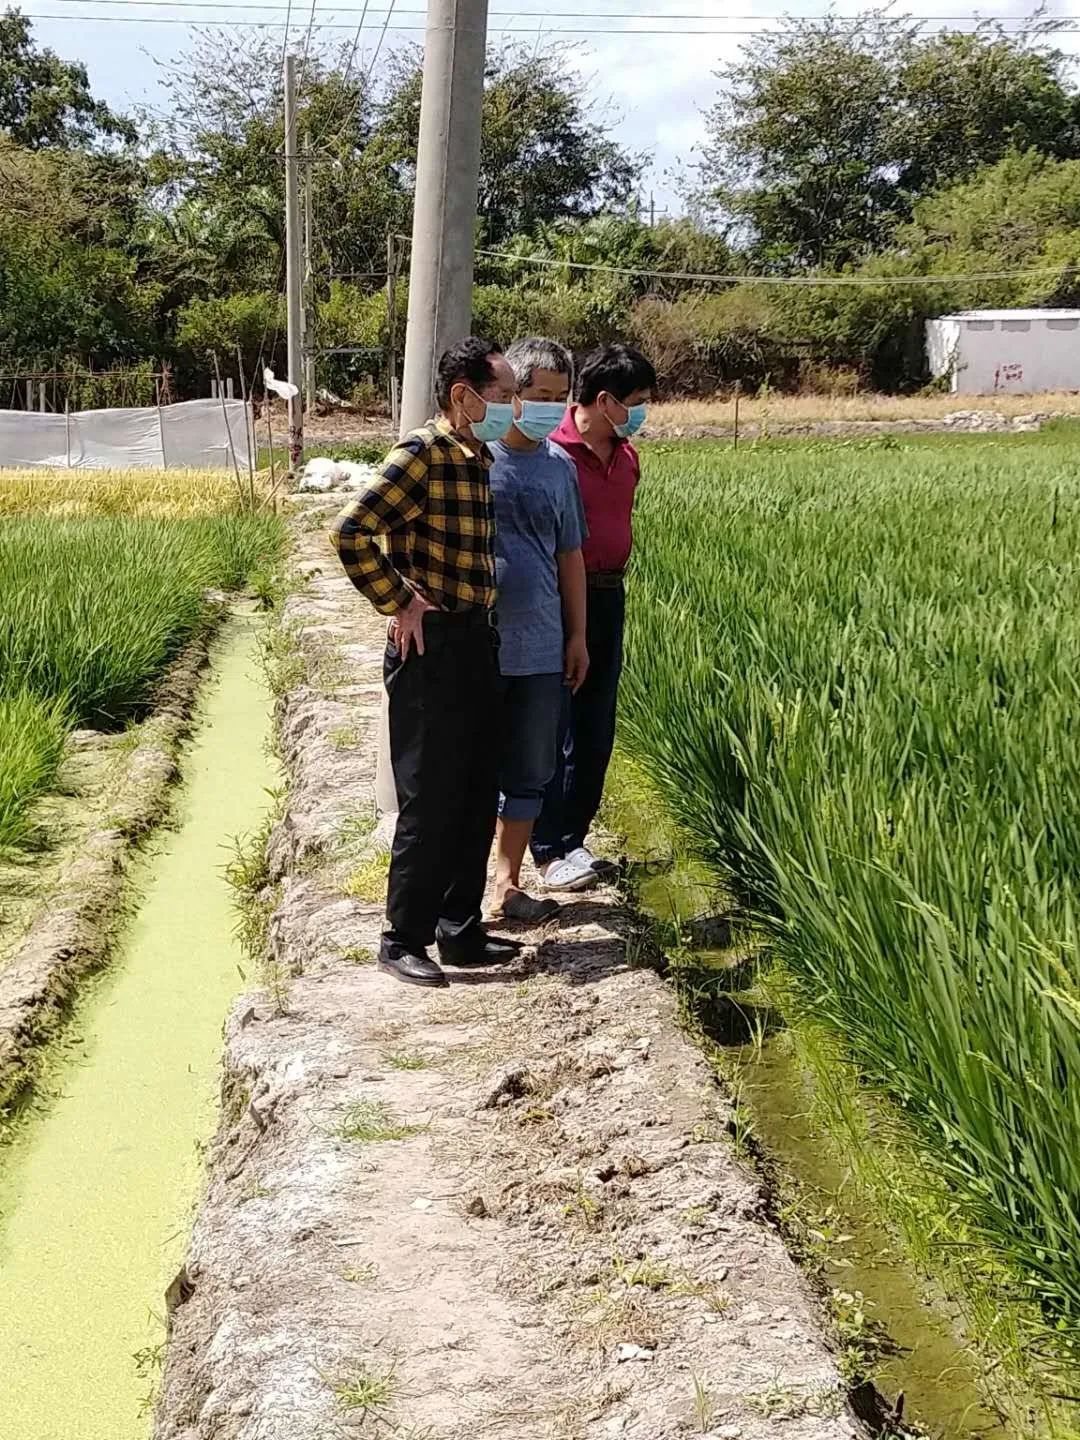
435, 579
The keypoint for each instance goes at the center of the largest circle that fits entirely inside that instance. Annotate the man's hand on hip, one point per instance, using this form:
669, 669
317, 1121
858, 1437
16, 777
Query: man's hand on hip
407, 626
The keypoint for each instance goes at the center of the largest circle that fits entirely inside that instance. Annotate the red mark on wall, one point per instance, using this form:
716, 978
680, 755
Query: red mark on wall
1010, 374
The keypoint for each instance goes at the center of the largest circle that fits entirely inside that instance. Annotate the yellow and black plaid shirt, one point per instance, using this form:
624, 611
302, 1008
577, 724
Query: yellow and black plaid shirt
433, 503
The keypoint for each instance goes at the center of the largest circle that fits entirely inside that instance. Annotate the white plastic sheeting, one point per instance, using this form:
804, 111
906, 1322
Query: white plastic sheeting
191, 435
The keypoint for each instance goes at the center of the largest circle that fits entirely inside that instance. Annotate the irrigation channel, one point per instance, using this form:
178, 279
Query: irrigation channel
924, 1360
97, 1189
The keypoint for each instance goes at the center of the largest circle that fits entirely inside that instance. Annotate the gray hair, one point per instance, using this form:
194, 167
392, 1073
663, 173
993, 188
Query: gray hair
537, 353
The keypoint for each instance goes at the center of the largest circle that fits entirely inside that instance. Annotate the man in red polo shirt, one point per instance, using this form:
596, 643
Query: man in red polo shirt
613, 385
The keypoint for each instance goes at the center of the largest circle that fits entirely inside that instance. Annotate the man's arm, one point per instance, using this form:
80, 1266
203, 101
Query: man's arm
572, 534
572, 593
389, 503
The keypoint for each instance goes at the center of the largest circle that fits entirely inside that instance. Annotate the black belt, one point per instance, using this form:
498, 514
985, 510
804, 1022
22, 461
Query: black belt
471, 615
604, 579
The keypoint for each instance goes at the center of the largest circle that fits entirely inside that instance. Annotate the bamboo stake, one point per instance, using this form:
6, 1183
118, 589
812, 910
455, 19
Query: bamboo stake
270, 444
228, 432
249, 426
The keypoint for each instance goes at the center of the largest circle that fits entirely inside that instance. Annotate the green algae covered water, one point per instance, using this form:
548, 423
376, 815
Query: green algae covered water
97, 1192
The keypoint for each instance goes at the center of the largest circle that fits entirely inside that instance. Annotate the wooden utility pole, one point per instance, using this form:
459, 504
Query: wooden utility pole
444, 212
293, 269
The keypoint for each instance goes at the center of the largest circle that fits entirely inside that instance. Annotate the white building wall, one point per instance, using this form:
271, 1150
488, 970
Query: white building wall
1012, 355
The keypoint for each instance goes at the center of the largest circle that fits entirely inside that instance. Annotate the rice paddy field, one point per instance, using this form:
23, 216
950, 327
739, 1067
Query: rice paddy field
854, 673
94, 604
163, 494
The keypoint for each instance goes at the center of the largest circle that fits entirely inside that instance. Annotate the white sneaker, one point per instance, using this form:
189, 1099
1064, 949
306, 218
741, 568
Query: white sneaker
585, 860
568, 874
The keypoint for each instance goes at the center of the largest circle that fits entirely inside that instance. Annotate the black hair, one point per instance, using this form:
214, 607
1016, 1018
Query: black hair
618, 369
468, 360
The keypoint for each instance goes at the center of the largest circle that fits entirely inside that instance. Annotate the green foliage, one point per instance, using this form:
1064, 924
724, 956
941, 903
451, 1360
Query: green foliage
221, 323
545, 152
45, 100
827, 129
857, 684
1022, 213
99, 389
91, 611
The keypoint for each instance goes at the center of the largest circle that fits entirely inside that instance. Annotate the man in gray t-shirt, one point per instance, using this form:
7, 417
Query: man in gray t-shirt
539, 530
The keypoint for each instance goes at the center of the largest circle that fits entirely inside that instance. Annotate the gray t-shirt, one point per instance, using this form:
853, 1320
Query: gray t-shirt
538, 516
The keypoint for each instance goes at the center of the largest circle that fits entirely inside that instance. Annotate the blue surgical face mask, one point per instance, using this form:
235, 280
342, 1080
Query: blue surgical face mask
497, 420
635, 418
539, 418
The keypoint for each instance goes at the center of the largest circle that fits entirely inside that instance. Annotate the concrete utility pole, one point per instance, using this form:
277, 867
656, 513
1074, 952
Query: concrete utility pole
444, 215
293, 269
309, 288
391, 329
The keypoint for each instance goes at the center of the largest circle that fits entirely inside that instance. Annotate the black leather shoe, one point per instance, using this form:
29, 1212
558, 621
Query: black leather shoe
413, 966
474, 946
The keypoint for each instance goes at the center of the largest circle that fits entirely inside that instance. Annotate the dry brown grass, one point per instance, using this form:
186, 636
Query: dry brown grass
773, 409
167, 494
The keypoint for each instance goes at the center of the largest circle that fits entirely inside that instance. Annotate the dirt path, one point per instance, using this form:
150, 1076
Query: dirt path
507, 1209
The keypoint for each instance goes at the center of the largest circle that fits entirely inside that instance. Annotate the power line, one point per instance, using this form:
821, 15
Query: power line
863, 22
355, 43
493, 29
815, 280
350, 111
307, 47
378, 47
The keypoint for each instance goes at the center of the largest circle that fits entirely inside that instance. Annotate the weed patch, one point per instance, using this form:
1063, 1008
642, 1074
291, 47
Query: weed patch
371, 1122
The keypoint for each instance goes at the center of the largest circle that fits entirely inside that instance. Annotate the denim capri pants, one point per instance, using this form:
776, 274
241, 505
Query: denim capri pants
532, 707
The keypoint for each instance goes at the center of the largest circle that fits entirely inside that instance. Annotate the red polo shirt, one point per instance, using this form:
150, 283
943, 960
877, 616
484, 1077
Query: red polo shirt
607, 493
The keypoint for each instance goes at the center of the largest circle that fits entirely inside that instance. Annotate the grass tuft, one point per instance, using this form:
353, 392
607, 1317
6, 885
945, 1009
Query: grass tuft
359, 1388
365, 1274
371, 1122
367, 881
405, 1060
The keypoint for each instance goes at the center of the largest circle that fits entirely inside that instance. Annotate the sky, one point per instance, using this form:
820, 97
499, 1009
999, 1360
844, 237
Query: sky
659, 85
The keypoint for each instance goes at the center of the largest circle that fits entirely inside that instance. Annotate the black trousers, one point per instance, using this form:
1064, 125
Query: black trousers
445, 746
587, 735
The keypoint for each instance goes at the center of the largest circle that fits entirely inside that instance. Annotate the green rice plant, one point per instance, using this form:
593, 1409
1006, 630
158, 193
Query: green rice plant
32, 732
855, 675
92, 610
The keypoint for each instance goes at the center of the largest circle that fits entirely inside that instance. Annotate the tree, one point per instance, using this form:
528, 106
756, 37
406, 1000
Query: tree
252, 323
1020, 214
796, 159
545, 151
829, 130
46, 101
221, 141
964, 100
